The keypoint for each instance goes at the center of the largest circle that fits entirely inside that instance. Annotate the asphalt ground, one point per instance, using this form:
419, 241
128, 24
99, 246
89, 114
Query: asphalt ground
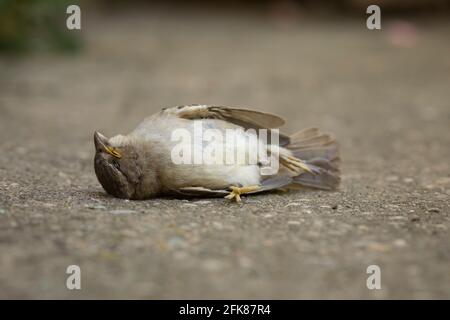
386, 100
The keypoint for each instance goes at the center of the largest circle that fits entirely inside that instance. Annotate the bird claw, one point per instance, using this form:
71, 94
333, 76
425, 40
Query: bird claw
237, 191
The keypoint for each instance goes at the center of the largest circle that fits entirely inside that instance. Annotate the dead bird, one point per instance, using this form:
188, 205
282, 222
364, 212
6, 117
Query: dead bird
141, 165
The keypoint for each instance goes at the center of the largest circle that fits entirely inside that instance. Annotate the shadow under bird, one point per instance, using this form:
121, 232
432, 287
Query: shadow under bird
139, 165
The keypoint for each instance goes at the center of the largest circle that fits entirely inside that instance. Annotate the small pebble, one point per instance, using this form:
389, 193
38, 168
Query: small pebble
95, 206
176, 242
122, 211
400, 243
203, 202
217, 225
293, 225
397, 218
2, 211
189, 205
62, 174
363, 228
293, 204
379, 247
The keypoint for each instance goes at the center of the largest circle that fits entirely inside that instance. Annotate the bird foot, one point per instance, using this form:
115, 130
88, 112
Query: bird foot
236, 192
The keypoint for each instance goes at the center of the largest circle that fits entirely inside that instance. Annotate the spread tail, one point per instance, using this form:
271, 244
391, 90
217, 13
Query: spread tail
321, 153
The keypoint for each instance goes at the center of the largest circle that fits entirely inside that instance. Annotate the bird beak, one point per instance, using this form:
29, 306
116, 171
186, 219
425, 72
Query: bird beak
102, 145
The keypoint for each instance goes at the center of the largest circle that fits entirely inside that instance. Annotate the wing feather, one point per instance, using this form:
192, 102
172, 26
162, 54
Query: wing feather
242, 117
246, 118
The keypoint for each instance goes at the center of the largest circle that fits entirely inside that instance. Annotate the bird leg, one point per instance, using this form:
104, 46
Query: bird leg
237, 191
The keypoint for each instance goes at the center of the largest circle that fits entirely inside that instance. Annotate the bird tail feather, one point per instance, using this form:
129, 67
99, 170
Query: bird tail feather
321, 153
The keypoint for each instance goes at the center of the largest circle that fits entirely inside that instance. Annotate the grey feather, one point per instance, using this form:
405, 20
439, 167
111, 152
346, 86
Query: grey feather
200, 192
324, 179
321, 153
271, 183
241, 116
245, 118
274, 182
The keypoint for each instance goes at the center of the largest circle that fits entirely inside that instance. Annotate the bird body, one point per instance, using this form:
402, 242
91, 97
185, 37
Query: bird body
154, 138
170, 153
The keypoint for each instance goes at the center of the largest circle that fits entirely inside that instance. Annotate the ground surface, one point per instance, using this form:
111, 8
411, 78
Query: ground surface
388, 105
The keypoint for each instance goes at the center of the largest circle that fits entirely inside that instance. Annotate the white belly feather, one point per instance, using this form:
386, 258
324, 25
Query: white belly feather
243, 170
221, 161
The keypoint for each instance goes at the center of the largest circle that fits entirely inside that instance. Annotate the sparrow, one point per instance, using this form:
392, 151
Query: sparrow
140, 165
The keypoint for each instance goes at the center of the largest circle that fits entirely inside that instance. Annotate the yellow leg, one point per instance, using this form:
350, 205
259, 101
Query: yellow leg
237, 191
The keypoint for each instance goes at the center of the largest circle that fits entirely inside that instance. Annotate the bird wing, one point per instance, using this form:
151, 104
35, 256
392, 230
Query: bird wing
271, 183
200, 192
241, 117
248, 119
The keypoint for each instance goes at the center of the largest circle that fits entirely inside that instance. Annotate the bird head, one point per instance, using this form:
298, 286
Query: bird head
118, 168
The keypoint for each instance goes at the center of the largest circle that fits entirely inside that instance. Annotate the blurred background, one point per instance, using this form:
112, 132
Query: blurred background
133, 57
383, 93
31, 25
